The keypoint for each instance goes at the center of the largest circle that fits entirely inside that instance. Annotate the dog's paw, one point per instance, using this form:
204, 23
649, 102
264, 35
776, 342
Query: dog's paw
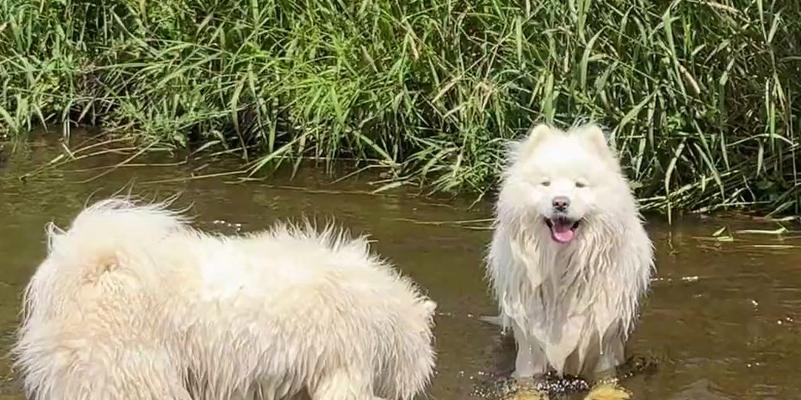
608, 391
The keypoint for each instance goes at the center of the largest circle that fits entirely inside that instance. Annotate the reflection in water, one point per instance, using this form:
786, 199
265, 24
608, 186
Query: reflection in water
721, 322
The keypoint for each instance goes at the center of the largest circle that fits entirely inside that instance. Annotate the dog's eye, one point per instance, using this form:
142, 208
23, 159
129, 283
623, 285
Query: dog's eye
545, 183
580, 184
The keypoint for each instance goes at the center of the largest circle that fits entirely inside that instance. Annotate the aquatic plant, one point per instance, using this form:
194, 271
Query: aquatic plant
700, 97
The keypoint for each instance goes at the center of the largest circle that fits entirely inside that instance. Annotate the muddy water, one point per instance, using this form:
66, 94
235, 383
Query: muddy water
723, 320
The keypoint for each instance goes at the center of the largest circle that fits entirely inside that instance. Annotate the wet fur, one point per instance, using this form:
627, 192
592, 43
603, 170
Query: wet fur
570, 306
132, 303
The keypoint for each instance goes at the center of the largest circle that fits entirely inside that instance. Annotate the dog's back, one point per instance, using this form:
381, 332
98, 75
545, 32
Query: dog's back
131, 303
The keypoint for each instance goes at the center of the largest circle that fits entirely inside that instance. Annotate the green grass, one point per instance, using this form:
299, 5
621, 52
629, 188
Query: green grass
701, 97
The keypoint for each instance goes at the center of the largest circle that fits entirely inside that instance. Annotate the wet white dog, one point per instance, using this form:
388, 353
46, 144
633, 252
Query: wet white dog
569, 259
132, 303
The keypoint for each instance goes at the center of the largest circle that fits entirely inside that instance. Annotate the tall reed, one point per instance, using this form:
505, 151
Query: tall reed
700, 97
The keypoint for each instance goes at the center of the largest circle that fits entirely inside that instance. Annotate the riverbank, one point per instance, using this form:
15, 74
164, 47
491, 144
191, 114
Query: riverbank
701, 98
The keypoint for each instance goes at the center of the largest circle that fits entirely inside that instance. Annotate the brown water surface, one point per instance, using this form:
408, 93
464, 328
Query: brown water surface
723, 319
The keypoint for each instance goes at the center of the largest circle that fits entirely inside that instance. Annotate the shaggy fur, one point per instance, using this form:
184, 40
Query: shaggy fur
131, 303
569, 292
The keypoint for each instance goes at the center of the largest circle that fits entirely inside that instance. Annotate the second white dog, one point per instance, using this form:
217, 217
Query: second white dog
569, 259
131, 303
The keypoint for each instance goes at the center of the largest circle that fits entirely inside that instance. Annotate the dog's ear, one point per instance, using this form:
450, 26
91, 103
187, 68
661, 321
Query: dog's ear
519, 149
594, 135
536, 135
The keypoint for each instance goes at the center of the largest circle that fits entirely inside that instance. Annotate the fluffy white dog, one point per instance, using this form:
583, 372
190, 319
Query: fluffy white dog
569, 259
132, 303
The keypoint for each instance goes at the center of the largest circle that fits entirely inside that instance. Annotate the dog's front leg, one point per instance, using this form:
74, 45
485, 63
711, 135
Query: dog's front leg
530, 361
612, 356
604, 375
606, 367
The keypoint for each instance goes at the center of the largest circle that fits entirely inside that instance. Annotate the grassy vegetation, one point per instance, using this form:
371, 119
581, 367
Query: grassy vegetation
701, 97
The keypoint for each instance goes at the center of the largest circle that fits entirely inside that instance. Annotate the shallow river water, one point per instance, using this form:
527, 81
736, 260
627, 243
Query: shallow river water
722, 321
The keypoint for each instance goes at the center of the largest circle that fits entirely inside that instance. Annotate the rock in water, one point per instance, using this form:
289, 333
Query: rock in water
608, 391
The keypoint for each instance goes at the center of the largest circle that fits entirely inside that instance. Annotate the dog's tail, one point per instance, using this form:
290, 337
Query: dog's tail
107, 235
101, 264
102, 238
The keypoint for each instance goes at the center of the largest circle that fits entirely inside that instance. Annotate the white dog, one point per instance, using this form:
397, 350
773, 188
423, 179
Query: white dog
569, 259
132, 303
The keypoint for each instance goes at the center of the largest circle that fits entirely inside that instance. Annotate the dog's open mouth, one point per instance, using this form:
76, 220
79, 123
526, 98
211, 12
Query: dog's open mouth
563, 229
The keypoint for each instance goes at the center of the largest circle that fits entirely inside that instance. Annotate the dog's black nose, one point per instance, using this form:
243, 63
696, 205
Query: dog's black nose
560, 203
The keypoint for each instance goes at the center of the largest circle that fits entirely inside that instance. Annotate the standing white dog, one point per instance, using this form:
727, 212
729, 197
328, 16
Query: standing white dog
569, 259
132, 303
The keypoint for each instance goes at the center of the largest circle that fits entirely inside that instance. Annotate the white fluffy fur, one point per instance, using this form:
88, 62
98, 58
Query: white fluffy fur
131, 303
570, 306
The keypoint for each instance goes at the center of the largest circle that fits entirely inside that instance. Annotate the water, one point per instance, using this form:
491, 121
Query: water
723, 320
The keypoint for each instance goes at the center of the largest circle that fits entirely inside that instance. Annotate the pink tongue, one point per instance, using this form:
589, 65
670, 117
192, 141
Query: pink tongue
561, 232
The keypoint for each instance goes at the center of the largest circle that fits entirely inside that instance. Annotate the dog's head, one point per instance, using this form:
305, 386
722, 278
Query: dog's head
559, 183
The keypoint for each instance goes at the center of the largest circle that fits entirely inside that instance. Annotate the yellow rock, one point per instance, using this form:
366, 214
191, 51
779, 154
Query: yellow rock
608, 391
526, 394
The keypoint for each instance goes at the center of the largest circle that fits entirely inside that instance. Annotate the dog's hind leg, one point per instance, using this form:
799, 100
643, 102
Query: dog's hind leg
100, 372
